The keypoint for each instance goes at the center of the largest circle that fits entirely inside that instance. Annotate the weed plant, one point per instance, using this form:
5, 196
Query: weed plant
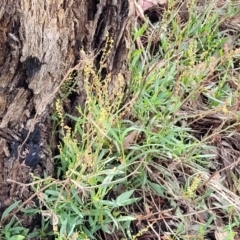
138, 159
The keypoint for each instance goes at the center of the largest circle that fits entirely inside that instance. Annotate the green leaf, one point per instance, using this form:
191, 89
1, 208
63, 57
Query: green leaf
52, 192
108, 203
30, 211
140, 31
72, 117
128, 202
124, 196
107, 212
126, 218
9, 209
105, 229
124, 199
75, 209
108, 179
157, 188
17, 237
63, 229
73, 225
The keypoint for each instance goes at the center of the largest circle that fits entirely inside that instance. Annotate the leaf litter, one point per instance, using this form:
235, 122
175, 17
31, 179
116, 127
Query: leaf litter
214, 123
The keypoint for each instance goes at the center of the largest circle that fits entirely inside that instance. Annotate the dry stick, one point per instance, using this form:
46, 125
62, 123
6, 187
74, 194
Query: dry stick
141, 217
44, 103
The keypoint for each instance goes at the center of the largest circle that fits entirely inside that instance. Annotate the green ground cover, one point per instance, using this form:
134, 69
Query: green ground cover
156, 154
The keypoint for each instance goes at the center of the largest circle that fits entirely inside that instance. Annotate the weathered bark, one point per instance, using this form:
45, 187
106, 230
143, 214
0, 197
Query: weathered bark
40, 41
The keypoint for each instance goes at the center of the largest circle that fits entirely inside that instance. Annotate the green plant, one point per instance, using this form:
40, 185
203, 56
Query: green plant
137, 162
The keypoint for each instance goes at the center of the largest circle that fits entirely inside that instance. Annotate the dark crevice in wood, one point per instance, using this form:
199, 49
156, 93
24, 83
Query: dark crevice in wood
92, 9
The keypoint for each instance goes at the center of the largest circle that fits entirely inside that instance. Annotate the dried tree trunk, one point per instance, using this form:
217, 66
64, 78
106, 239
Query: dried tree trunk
40, 41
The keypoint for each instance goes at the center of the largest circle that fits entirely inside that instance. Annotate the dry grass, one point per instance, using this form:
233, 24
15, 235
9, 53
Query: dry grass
163, 161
